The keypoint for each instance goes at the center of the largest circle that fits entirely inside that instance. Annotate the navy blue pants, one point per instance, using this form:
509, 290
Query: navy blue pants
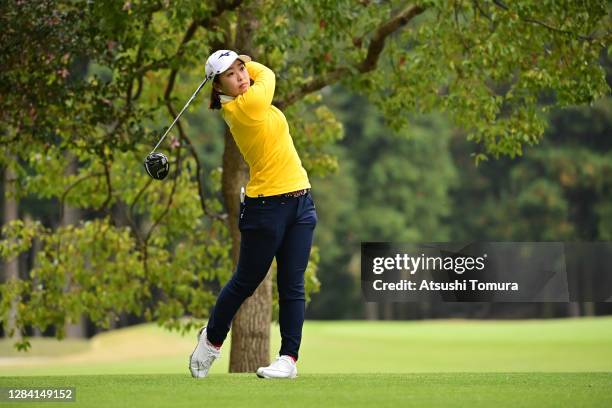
269, 227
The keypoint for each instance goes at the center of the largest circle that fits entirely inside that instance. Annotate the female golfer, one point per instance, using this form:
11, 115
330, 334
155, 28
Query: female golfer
277, 217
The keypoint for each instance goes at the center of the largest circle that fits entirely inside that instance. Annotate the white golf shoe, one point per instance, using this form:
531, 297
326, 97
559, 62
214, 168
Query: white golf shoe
203, 356
282, 367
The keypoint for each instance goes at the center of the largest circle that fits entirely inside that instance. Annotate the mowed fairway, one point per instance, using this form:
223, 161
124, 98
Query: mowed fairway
559, 362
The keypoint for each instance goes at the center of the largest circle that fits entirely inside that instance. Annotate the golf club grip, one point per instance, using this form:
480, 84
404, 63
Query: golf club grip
179, 115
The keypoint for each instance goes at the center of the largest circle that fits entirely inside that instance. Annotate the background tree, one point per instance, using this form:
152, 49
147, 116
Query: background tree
493, 67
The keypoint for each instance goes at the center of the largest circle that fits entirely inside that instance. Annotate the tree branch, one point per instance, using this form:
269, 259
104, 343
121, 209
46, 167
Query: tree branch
70, 187
130, 213
170, 197
138, 78
221, 6
375, 48
477, 5
501, 5
194, 154
109, 188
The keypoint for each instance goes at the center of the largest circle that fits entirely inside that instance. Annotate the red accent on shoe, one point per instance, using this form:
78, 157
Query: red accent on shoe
293, 358
218, 346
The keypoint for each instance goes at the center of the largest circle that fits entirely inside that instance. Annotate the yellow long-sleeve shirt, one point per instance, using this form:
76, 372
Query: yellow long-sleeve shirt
261, 133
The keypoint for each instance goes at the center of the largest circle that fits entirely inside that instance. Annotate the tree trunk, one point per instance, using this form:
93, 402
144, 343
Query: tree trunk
36, 247
573, 309
387, 311
11, 266
72, 216
251, 325
589, 308
371, 311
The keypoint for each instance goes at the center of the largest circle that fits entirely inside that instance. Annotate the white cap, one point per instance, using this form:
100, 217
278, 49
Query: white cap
221, 60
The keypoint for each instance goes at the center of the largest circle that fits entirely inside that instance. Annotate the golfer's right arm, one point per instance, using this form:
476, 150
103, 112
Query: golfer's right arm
256, 101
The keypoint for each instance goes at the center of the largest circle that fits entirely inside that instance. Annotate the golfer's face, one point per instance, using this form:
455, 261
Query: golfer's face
235, 80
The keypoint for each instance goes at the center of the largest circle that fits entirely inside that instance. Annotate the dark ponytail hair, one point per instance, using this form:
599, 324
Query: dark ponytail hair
215, 100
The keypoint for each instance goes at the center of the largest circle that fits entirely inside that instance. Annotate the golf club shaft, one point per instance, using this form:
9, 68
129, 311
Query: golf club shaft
179, 115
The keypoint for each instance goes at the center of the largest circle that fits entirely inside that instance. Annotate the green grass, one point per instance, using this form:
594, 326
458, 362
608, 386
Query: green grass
559, 362
329, 390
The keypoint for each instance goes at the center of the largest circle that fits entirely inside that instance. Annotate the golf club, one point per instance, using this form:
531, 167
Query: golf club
156, 164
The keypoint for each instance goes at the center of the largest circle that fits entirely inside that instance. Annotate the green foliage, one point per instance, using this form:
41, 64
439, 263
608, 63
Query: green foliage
91, 82
314, 128
557, 192
102, 271
494, 69
390, 186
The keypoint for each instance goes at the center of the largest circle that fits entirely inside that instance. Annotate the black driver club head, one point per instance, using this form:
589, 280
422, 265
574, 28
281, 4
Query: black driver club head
157, 165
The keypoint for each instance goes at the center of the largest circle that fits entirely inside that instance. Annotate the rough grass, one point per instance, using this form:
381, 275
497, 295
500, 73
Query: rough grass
559, 345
